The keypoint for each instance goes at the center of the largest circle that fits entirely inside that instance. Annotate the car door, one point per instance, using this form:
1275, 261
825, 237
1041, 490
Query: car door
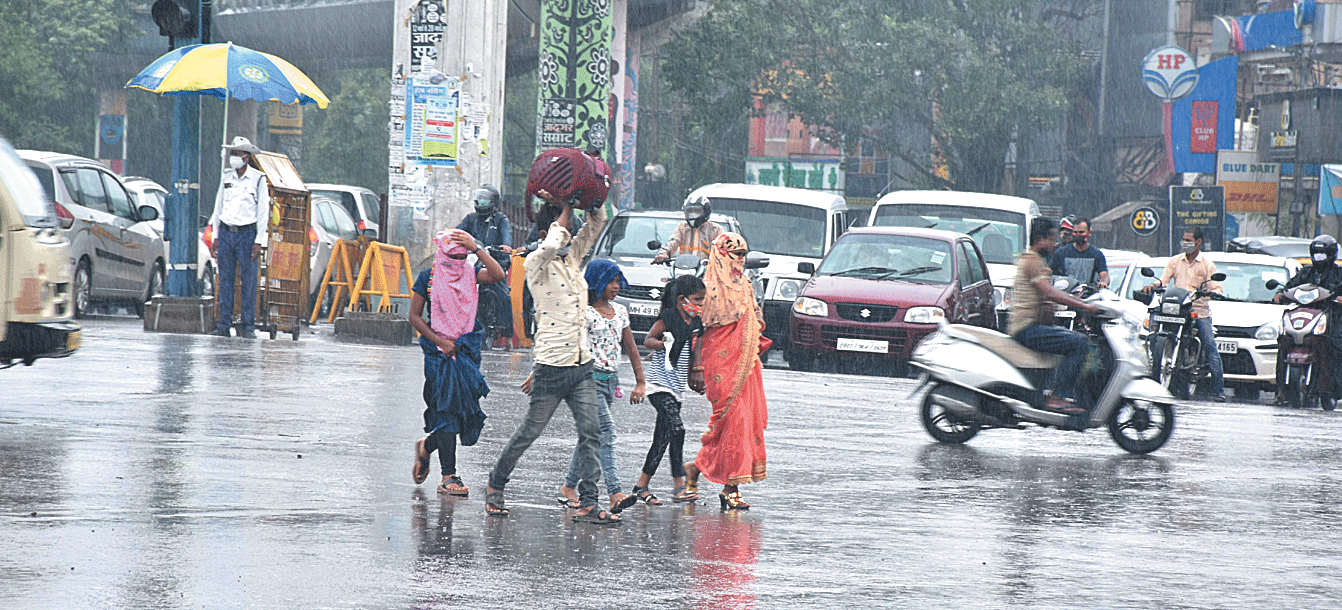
109, 269
976, 291
138, 247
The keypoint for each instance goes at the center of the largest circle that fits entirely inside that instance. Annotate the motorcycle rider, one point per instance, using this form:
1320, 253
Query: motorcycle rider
695, 234
1322, 272
490, 227
1066, 226
1079, 259
1190, 271
1032, 309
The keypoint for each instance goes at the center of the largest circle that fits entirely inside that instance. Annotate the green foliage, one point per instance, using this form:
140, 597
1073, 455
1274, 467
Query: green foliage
347, 142
966, 74
46, 47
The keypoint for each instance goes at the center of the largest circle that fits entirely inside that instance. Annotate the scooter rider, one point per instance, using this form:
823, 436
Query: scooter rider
695, 234
1032, 309
491, 228
1322, 272
1192, 271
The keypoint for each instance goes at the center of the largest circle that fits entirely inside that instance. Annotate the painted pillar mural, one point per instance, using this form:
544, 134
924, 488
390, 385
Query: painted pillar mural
575, 68
628, 135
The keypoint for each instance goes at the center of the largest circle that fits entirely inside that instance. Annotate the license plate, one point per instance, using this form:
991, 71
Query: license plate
1227, 347
637, 308
1066, 313
72, 341
870, 346
1167, 320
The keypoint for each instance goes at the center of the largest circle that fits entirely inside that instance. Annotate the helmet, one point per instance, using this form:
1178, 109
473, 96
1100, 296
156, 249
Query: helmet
697, 210
486, 199
1323, 250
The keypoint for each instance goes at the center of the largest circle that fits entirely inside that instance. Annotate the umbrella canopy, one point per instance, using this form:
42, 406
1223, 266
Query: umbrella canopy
228, 71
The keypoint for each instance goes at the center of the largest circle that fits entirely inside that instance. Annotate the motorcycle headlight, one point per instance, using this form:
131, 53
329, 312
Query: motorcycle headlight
808, 306
1322, 326
1267, 332
1169, 309
924, 315
788, 290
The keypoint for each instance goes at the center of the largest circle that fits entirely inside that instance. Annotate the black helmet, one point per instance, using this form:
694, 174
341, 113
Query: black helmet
697, 210
486, 199
1323, 250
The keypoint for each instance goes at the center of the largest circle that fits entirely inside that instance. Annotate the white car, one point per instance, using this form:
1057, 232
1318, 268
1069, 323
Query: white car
362, 204
150, 193
1246, 327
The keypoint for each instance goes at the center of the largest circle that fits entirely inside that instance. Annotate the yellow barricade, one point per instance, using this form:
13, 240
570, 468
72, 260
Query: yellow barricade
339, 267
375, 272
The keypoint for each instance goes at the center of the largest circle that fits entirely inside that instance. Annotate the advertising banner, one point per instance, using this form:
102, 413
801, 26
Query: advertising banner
431, 122
1204, 121
1330, 190
1250, 186
1198, 207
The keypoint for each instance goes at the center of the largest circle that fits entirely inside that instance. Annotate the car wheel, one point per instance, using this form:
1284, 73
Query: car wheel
155, 287
83, 288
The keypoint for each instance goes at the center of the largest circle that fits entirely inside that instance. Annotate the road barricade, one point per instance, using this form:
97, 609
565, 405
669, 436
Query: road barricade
340, 274
376, 274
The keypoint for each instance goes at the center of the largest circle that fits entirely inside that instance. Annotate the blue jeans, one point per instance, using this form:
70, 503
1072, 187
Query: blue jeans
1072, 346
605, 397
549, 385
235, 261
1208, 336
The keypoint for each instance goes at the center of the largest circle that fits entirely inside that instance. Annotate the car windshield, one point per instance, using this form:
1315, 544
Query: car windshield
346, 200
1246, 282
889, 257
998, 233
24, 189
629, 235
774, 227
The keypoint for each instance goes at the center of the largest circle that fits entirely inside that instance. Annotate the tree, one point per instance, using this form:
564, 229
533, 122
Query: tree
346, 143
45, 52
968, 75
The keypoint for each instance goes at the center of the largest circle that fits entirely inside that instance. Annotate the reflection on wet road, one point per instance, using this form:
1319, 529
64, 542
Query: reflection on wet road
171, 471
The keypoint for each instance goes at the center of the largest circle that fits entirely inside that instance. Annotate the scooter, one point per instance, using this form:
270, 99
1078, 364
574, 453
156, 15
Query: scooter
1175, 348
982, 378
1304, 336
493, 297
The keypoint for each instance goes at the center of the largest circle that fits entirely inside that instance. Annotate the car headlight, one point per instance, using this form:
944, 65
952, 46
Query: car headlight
788, 290
1322, 326
924, 315
1001, 297
1267, 332
808, 306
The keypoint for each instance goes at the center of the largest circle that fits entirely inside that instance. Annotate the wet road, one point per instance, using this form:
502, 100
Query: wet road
172, 471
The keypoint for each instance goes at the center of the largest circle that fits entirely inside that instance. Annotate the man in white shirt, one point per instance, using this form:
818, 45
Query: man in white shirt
241, 212
563, 361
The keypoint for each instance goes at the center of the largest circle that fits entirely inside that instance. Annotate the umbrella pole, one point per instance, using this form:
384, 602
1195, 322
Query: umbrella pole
222, 153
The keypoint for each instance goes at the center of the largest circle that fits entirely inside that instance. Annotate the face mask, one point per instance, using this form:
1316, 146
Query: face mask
1080, 239
691, 309
1188, 246
236, 162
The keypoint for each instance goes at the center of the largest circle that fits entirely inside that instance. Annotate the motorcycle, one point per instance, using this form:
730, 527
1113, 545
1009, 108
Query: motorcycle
1069, 318
1304, 327
1175, 349
492, 298
981, 378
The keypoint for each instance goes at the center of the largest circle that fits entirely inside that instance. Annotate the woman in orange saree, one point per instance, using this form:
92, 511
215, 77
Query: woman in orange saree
733, 446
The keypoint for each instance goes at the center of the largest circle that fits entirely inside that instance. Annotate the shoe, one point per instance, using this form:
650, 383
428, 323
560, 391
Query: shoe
1219, 398
247, 334
732, 501
220, 332
1064, 406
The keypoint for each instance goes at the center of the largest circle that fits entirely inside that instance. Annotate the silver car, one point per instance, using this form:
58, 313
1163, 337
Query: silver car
330, 222
116, 255
362, 204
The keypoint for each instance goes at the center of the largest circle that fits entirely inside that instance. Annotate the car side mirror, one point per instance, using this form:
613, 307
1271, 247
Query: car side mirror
755, 260
1272, 284
807, 267
1218, 277
148, 213
654, 244
1148, 272
1142, 297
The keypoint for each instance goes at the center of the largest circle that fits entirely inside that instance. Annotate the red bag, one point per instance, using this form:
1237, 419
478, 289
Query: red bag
571, 175
765, 344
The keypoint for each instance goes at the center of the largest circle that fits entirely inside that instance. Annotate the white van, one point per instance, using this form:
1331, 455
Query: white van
998, 224
35, 297
791, 226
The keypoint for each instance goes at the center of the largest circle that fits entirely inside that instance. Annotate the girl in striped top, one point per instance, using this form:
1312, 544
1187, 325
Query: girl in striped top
671, 340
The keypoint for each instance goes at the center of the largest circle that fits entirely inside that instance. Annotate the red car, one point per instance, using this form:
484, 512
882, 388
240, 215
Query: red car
880, 290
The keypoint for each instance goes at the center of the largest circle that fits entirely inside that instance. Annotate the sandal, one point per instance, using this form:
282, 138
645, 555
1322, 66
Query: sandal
626, 502
644, 494
494, 504
461, 490
566, 501
683, 494
733, 501
421, 469
597, 516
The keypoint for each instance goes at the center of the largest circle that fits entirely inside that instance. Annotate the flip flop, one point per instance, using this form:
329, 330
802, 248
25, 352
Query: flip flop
462, 492
597, 516
494, 500
681, 494
421, 470
628, 501
642, 493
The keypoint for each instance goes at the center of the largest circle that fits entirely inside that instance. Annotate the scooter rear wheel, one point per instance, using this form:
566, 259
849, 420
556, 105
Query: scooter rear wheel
943, 425
1140, 426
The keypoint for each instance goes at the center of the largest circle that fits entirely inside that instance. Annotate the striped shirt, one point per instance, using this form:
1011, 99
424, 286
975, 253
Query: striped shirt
665, 376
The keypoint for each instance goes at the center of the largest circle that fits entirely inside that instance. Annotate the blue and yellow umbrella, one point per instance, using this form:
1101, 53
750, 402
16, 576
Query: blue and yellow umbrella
228, 71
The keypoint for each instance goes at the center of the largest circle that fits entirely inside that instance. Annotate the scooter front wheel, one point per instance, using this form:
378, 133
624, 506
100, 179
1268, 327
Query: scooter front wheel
1294, 388
941, 423
1140, 426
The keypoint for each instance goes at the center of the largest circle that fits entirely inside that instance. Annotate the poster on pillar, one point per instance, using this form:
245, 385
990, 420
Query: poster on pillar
575, 75
431, 112
427, 24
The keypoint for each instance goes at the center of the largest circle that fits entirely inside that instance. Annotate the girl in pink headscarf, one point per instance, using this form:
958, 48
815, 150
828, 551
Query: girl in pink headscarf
450, 339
